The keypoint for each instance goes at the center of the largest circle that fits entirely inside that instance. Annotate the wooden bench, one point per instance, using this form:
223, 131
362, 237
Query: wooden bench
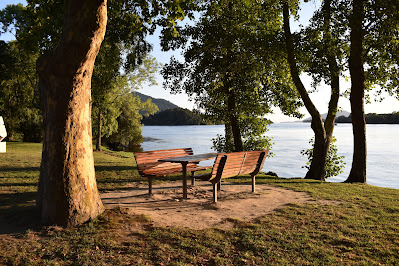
149, 166
233, 164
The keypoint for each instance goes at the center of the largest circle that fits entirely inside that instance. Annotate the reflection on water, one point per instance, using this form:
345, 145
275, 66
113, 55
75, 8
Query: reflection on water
289, 139
149, 139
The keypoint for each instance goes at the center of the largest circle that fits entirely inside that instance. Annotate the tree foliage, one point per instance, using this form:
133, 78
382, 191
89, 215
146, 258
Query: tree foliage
129, 122
19, 101
111, 88
230, 72
37, 29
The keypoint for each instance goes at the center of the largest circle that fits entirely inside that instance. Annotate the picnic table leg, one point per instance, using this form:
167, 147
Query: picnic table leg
184, 165
149, 185
192, 179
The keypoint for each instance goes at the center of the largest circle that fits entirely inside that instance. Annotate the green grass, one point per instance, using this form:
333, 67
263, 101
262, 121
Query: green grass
360, 228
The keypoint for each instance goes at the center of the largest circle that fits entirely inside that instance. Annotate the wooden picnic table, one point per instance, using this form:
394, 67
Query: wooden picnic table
184, 160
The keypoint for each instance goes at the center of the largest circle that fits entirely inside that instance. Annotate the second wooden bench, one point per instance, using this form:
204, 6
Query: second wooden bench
233, 164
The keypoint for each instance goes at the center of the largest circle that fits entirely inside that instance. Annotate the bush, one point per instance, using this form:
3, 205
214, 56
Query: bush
335, 164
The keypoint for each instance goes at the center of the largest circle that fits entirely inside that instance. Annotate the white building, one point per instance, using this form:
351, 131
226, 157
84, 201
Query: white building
3, 134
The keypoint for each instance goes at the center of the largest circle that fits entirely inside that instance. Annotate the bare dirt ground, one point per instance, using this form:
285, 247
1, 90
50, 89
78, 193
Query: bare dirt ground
166, 208
235, 201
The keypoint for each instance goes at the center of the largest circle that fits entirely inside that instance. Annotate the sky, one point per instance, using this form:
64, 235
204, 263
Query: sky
320, 98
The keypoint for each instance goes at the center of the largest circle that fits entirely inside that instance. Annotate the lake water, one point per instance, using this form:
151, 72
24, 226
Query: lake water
289, 139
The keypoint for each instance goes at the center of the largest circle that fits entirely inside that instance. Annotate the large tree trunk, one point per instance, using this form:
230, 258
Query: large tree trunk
358, 171
68, 193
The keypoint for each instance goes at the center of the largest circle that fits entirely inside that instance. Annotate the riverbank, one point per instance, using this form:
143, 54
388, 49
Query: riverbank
336, 224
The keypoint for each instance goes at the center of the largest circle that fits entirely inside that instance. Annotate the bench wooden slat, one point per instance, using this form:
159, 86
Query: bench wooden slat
161, 166
156, 155
165, 151
160, 173
162, 155
155, 158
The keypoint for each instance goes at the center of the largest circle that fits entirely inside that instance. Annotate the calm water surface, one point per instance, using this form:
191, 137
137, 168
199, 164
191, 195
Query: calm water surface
289, 139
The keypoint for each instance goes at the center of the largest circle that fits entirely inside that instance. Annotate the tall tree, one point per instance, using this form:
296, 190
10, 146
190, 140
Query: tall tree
373, 63
68, 192
230, 72
356, 68
323, 64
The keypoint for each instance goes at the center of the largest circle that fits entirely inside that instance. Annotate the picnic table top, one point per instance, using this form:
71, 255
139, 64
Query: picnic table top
191, 158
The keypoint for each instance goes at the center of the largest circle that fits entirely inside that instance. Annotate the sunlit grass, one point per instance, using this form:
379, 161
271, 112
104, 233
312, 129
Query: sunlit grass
359, 226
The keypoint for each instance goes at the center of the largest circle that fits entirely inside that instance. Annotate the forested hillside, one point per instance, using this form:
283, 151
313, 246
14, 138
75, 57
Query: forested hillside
175, 117
373, 118
161, 103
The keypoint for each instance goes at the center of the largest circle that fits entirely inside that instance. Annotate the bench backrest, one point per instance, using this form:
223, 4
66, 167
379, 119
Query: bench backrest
147, 161
238, 163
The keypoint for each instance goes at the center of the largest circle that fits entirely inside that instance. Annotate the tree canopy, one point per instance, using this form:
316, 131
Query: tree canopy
230, 72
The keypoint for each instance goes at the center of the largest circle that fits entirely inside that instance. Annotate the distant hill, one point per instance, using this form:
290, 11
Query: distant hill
373, 118
175, 117
161, 103
323, 116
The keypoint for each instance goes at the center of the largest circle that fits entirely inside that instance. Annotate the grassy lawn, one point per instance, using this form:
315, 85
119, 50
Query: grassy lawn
362, 227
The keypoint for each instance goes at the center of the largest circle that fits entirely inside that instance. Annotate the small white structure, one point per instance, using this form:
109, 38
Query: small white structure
3, 134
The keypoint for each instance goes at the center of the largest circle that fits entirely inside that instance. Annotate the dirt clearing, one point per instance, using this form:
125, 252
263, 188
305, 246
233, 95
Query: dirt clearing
235, 201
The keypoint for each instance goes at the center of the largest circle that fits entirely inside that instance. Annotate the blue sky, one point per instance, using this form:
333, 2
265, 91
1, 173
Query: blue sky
320, 98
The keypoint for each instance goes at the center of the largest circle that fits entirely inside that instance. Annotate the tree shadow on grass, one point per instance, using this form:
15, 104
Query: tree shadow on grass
15, 199
18, 213
19, 169
113, 168
34, 184
293, 181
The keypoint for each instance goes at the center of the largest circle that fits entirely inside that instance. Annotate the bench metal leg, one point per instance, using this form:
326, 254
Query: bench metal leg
215, 193
220, 185
149, 186
253, 183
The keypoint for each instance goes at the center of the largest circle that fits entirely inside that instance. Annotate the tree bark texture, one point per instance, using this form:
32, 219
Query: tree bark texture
235, 126
68, 193
229, 136
356, 69
323, 131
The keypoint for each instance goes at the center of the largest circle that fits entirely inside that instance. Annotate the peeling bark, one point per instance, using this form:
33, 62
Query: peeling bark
68, 193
